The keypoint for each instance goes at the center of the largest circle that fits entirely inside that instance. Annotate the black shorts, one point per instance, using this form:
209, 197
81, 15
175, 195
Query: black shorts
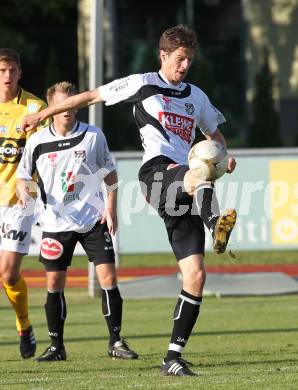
57, 249
161, 181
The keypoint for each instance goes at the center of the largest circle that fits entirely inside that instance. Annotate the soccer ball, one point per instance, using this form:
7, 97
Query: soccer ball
208, 160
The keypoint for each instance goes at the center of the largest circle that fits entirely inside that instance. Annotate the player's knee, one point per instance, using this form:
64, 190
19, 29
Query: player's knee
10, 276
106, 274
201, 278
55, 281
108, 280
191, 183
198, 278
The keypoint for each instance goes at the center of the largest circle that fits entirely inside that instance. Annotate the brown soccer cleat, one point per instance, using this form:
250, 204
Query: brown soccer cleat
223, 229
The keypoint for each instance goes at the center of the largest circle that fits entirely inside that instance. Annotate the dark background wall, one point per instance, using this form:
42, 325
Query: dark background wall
216, 69
46, 35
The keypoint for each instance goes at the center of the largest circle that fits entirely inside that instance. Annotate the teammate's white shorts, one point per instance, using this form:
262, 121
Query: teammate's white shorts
15, 228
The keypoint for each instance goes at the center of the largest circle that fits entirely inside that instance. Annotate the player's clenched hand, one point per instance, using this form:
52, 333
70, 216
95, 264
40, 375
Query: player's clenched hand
110, 217
231, 165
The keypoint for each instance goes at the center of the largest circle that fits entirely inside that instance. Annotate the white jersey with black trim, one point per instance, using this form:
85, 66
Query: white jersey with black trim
70, 171
166, 114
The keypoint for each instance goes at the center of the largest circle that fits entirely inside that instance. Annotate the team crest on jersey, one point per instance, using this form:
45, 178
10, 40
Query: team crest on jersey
32, 107
67, 181
18, 128
166, 103
80, 156
3, 129
189, 108
52, 159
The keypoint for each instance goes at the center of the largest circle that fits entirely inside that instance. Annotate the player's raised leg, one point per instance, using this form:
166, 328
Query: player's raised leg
206, 205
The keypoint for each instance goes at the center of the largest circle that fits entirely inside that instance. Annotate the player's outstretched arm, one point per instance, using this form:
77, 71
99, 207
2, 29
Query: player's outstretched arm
80, 100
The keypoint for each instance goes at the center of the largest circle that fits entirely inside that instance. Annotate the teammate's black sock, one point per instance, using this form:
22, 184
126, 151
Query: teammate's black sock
207, 205
185, 315
55, 308
112, 311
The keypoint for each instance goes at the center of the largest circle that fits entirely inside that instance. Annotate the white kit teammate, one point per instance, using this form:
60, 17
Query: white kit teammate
167, 111
71, 159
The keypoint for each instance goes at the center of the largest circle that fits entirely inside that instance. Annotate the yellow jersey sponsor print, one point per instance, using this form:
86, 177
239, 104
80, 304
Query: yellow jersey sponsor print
13, 141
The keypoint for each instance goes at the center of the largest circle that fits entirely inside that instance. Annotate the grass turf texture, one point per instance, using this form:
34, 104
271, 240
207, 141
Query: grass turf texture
238, 343
167, 259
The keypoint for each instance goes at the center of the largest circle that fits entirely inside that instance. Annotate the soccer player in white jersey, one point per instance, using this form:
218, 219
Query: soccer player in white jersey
71, 159
167, 111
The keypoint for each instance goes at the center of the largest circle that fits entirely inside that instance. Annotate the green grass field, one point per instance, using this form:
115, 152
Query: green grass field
238, 343
167, 259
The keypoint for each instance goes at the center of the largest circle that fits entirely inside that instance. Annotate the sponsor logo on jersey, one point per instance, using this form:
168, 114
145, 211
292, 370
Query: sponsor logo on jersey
12, 234
71, 197
67, 181
80, 156
117, 86
189, 108
52, 159
177, 124
61, 144
176, 93
11, 150
32, 107
166, 103
51, 249
3, 129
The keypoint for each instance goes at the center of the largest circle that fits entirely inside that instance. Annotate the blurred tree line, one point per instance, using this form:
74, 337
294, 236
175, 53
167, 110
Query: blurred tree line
264, 126
216, 68
45, 34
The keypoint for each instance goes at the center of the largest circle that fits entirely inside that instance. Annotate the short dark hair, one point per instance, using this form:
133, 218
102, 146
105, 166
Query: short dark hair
7, 54
63, 87
177, 36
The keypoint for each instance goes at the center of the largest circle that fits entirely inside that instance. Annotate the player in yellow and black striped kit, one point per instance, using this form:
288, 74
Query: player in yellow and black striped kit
15, 221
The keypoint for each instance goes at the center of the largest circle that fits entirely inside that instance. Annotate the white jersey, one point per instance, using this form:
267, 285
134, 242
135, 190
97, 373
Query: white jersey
70, 171
166, 114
